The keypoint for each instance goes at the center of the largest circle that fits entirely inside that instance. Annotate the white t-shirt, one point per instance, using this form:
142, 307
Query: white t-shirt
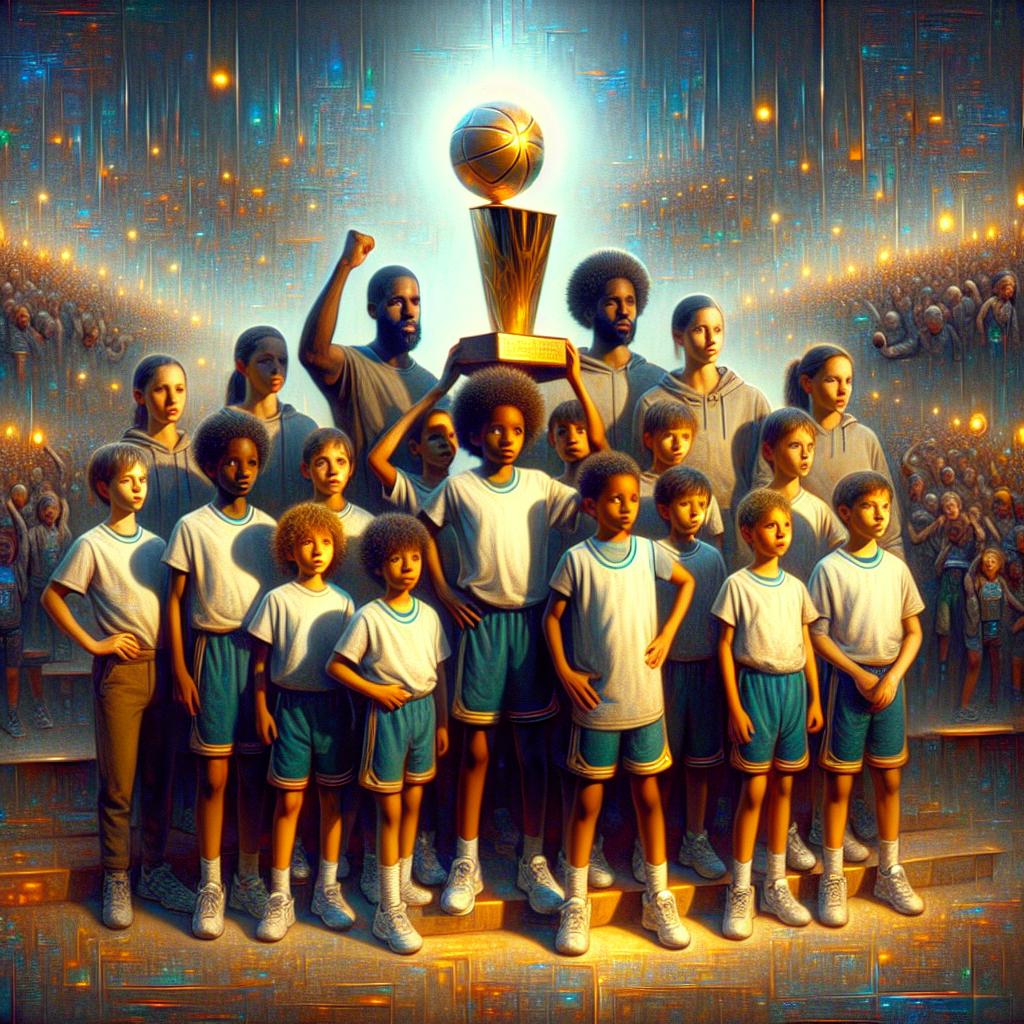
409, 494
863, 602
395, 648
697, 638
229, 562
614, 616
123, 577
817, 530
350, 572
769, 614
503, 531
302, 627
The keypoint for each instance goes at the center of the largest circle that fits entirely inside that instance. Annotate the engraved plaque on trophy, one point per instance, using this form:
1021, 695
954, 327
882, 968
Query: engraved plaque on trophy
496, 151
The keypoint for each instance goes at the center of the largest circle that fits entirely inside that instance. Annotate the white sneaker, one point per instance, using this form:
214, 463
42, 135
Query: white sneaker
573, 937
249, 895
854, 851
535, 879
699, 854
894, 887
415, 895
330, 905
278, 917
299, 864
426, 868
392, 925
661, 915
117, 900
832, 910
798, 856
369, 878
738, 922
163, 886
865, 827
599, 871
637, 863
778, 899
208, 917
462, 888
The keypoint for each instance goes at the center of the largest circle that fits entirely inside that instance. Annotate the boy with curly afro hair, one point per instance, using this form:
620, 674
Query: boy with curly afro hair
219, 567
293, 630
606, 294
502, 517
392, 653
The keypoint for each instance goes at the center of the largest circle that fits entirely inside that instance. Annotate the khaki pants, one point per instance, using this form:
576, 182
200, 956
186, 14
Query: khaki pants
133, 715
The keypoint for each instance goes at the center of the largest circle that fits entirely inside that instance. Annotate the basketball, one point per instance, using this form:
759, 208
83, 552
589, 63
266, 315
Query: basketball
497, 150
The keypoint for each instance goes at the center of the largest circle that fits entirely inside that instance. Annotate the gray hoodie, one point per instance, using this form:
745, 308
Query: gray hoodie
848, 448
728, 425
615, 391
281, 483
176, 483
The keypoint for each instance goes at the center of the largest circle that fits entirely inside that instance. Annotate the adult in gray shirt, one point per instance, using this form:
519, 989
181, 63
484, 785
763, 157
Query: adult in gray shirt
370, 386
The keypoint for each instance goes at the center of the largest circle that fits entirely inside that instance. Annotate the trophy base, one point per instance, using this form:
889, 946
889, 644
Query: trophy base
541, 357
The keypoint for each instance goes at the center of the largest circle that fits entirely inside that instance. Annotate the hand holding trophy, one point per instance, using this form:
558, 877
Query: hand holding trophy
497, 150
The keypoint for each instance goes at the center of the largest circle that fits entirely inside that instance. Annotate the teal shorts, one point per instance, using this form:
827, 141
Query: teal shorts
855, 734
398, 746
694, 712
226, 723
594, 753
314, 733
503, 669
777, 705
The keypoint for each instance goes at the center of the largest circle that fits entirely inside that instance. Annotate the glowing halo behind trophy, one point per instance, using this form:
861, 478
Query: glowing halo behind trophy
497, 150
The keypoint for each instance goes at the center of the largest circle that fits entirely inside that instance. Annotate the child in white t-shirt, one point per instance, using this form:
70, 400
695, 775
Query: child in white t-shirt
615, 686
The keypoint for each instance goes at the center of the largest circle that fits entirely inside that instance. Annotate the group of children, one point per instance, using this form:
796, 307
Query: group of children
656, 649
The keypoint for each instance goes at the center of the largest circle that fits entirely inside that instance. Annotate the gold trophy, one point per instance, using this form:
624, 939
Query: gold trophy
496, 151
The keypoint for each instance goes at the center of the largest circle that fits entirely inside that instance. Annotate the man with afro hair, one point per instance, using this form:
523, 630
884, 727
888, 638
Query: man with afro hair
606, 294
502, 517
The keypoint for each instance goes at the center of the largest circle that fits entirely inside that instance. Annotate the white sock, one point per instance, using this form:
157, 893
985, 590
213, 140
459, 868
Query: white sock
888, 854
209, 871
741, 874
657, 878
776, 866
575, 882
533, 846
832, 861
390, 885
405, 870
248, 865
281, 880
467, 848
328, 873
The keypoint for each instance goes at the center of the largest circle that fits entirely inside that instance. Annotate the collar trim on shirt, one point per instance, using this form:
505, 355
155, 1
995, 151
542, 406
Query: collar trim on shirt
249, 510
595, 548
502, 488
134, 538
862, 563
403, 617
767, 581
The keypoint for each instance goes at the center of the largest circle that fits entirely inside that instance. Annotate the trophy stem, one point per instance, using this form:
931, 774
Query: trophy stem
512, 247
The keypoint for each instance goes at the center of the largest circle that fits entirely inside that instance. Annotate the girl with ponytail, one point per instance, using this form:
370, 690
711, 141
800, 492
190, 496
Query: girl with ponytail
261, 369
821, 382
176, 483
